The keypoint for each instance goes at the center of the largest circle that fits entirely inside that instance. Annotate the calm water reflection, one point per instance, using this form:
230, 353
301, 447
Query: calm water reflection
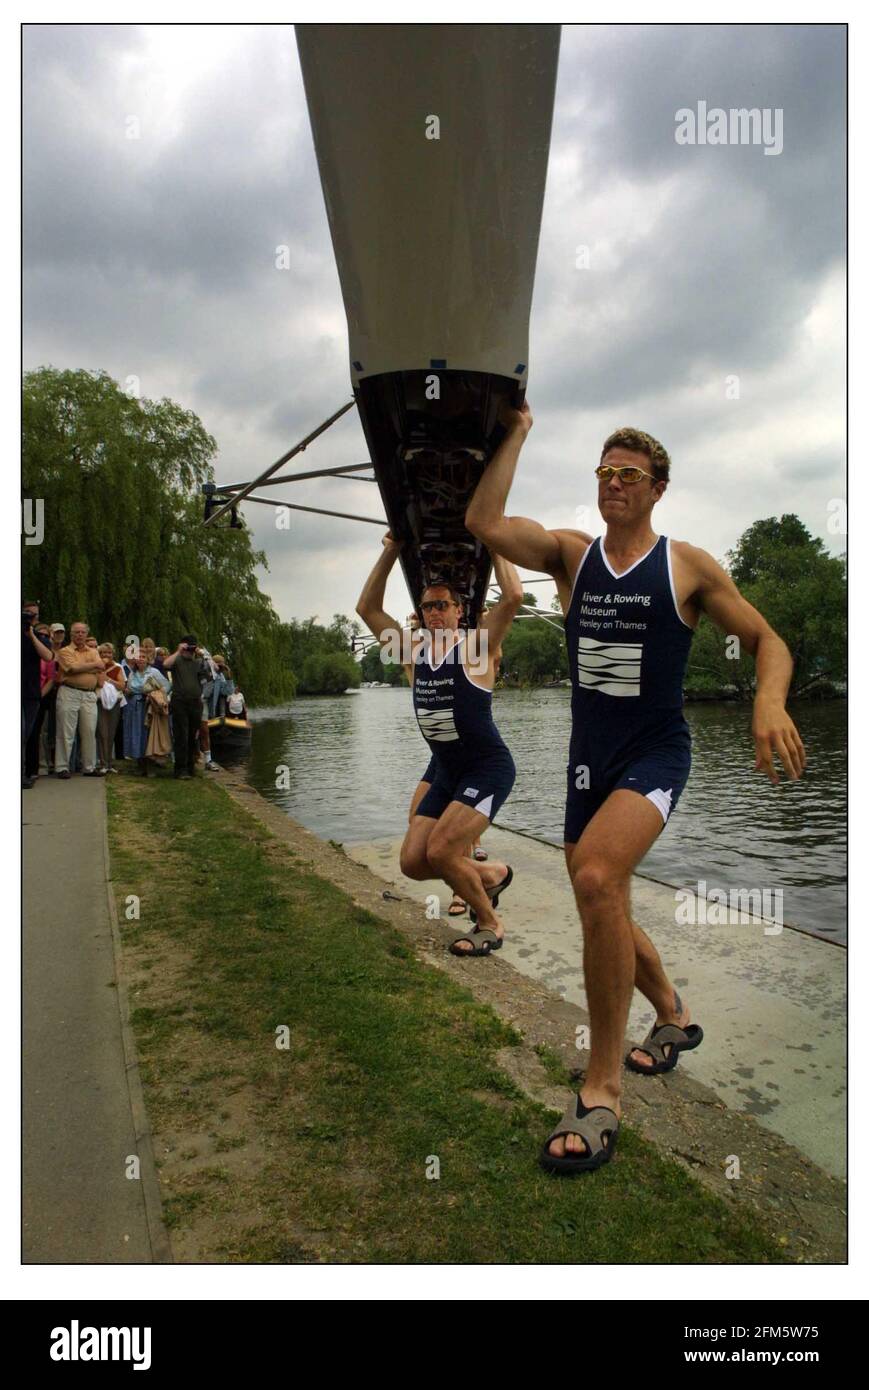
355, 759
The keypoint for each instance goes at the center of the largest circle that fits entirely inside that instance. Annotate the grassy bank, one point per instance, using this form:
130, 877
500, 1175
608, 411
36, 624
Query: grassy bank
321, 1151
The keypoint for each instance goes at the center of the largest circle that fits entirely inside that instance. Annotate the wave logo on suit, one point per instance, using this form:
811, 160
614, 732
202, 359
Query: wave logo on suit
437, 726
612, 668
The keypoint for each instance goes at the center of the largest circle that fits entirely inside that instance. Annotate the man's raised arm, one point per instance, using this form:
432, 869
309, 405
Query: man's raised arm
517, 538
370, 606
498, 618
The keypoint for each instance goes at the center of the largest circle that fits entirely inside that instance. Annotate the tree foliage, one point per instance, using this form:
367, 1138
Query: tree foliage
321, 656
789, 576
386, 672
124, 547
533, 653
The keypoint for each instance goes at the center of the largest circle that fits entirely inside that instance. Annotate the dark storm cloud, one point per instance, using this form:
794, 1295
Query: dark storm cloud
712, 265
156, 257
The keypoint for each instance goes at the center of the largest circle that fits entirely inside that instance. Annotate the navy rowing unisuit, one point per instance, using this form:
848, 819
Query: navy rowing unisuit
471, 761
628, 648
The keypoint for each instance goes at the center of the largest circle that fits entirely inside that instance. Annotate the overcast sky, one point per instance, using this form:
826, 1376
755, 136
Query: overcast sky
155, 258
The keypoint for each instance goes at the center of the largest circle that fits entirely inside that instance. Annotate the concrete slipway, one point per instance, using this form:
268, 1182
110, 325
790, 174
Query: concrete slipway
771, 1004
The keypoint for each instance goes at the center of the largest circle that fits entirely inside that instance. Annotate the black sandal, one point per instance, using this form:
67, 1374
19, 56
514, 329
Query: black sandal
495, 891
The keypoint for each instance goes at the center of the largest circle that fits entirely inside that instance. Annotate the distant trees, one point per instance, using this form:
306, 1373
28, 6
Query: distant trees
533, 653
386, 672
799, 587
321, 657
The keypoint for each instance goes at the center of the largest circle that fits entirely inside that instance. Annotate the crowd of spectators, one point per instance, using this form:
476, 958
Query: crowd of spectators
82, 709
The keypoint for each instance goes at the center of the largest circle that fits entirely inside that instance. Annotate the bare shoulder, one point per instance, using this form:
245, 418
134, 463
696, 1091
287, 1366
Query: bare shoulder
699, 563
572, 546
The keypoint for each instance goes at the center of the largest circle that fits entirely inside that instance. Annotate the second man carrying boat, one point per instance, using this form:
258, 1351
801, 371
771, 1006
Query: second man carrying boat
471, 773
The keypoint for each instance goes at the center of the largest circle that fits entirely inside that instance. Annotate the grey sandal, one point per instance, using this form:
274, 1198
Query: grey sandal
494, 891
597, 1125
666, 1035
483, 941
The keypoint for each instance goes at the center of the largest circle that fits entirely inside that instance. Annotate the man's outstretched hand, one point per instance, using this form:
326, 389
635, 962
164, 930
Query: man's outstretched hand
390, 543
775, 732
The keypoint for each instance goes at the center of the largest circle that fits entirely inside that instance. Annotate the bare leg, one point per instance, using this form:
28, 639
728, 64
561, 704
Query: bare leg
600, 866
447, 852
652, 981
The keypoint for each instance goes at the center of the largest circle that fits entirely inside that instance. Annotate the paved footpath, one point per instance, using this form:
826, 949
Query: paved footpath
84, 1119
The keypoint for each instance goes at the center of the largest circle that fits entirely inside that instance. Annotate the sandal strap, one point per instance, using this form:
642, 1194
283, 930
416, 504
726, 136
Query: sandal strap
655, 1038
478, 936
590, 1124
483, 934
495, 889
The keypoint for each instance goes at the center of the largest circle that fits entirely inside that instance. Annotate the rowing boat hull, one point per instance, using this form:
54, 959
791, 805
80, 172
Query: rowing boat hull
432, 144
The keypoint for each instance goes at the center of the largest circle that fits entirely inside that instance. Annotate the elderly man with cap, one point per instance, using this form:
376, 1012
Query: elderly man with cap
189, 674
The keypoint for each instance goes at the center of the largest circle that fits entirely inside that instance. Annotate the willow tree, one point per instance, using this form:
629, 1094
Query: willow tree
123, 542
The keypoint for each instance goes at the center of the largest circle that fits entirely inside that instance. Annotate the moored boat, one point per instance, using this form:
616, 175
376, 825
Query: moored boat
230, 735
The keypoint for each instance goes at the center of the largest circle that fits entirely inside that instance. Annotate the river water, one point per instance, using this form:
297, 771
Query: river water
354, 760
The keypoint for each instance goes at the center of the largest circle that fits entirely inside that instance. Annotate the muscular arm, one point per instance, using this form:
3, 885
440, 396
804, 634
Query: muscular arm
498, 618
370, 606
772, 727
518, 538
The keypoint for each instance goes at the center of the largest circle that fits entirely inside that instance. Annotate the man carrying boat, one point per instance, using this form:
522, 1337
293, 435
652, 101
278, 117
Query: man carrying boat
631, 601
471, 772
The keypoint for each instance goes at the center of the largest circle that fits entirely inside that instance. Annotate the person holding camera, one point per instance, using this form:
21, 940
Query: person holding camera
189, 675
33, 651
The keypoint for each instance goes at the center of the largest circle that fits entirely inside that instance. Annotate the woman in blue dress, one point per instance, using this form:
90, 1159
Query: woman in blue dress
135, 728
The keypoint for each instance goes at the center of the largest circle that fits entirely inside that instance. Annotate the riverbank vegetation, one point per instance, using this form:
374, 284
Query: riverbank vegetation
317, 1094
118, 481
800, 588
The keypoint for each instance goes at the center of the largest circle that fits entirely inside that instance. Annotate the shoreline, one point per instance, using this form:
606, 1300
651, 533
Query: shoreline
682, 1116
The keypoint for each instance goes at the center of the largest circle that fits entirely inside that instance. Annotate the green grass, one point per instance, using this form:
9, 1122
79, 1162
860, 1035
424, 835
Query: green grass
321, 1152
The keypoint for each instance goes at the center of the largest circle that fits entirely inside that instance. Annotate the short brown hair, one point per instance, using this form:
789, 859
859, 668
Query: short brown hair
640, 443
444, 584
